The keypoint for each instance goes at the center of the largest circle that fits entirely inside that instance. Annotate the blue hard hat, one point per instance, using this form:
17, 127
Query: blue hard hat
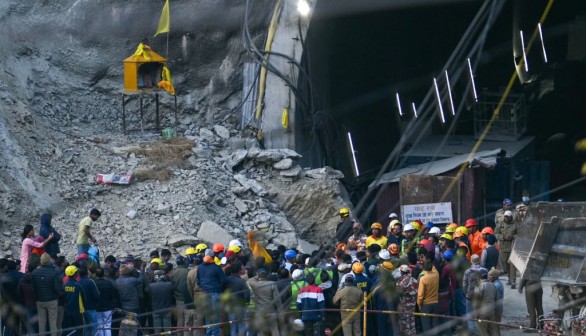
429, 225
448, 255
507, 201
290, 254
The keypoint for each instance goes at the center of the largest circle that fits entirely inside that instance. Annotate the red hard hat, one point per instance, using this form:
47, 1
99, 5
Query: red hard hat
471, 222
488, 230
218, 248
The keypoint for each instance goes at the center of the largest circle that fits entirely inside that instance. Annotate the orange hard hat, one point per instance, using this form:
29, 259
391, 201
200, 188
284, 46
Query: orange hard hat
218, 248
376, 225
488, 230
471, 222
357, 267
393, 248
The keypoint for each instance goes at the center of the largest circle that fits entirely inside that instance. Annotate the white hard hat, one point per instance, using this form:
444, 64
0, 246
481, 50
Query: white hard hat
408, 227
435, 230
384, 254
509, 213
393, 215
235, 242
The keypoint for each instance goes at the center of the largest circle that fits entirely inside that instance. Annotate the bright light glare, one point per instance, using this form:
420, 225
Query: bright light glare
542, 43
450, 94
524, 54
303, 7
414, 110
439, 101
353, 154
472, 80
399, 104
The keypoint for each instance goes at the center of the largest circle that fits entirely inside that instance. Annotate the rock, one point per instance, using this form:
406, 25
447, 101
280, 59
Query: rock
289, 153
251, 184
241, 206
293, 172
235, 143
324, 173
283, 164
239, 190
269, 156
124, 150
306, 247
6, 245
132, 214
163, 209
253, 152
178, 240
222, 131
236, 158
213, 233
287, 239
7, 233
207, 135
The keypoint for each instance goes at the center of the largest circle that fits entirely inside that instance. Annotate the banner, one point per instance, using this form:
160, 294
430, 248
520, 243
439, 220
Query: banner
429, 212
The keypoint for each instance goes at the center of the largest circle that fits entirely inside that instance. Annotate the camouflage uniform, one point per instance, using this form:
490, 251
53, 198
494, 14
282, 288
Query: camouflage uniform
359, 242
407, 286
506, 233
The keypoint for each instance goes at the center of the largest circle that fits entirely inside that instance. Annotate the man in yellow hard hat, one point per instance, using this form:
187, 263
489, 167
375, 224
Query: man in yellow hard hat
377, 236
344, 228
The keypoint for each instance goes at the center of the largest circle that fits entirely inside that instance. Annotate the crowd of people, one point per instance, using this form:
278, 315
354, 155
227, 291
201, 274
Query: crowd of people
424, 273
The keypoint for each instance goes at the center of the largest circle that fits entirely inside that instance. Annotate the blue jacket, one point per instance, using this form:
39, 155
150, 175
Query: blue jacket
311, 302
74, 297
130, 291
363, 282
48, 284
52, 247
211, 278
92, 294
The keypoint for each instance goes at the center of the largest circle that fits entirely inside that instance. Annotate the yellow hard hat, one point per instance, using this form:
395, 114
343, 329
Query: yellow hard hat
376, 225
344, 212
157, 261
200, 248
451, 228
447, 236
357, 267
70, 271
462, 229
190, 250
416, 226
393, 223
458, 234
234, 248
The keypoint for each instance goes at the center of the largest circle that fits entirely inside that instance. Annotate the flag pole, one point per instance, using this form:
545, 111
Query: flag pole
167, 55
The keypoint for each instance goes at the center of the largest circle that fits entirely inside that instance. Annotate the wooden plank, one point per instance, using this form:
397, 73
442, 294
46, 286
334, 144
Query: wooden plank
420, 189
541, 248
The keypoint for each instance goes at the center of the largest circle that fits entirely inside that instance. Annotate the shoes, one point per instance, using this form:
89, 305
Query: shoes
513, 286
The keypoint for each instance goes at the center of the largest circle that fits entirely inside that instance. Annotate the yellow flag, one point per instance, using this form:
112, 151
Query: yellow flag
257, 249
164, 21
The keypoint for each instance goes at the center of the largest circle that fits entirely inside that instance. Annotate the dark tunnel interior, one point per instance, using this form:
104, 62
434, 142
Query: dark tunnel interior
357, 62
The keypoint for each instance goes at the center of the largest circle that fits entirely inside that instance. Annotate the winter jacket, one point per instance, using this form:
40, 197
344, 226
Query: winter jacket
92, 294
348, 297
489, 257
362, 282
47, 283
311, 303
238, 289
210, 278
108, 295
161, 293
26, 292
52, 247
427, 292
74, 297
179, 279
265, 295
9, 285
130, 291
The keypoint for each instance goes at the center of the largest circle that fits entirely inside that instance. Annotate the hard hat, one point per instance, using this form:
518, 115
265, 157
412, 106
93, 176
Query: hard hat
462, 229
393, 215
344, 212
451, 228
508, 213
393, 248
217, 248
447, 236
488, 230
471, 222
448, 255
507, 201
235, 242
357, 267
384, 255
200, 248
290, 254
376, 225
70, 271
434, 230
408, 227
416, 226
387, 265
429, 225
157, 261
423, 241
393, 223
458, 234
297, 274
234, 248
190, 250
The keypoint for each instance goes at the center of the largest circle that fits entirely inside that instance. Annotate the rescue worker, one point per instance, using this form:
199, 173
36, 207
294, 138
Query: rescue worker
349, 297
505, 232
500, 214
74, 302
485, 297
474, 237
533, 299
344, 228
377, 237
522, 207
407, 286
408, 245
395, 233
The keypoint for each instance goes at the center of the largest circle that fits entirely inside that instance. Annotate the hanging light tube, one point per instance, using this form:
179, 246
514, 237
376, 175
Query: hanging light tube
439, 101
472, 80
450, 94
542, 43
399, 104
414, 109
353, 155
524, 54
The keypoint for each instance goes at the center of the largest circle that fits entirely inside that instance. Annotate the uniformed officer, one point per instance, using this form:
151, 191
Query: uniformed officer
506, 232
500, 214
